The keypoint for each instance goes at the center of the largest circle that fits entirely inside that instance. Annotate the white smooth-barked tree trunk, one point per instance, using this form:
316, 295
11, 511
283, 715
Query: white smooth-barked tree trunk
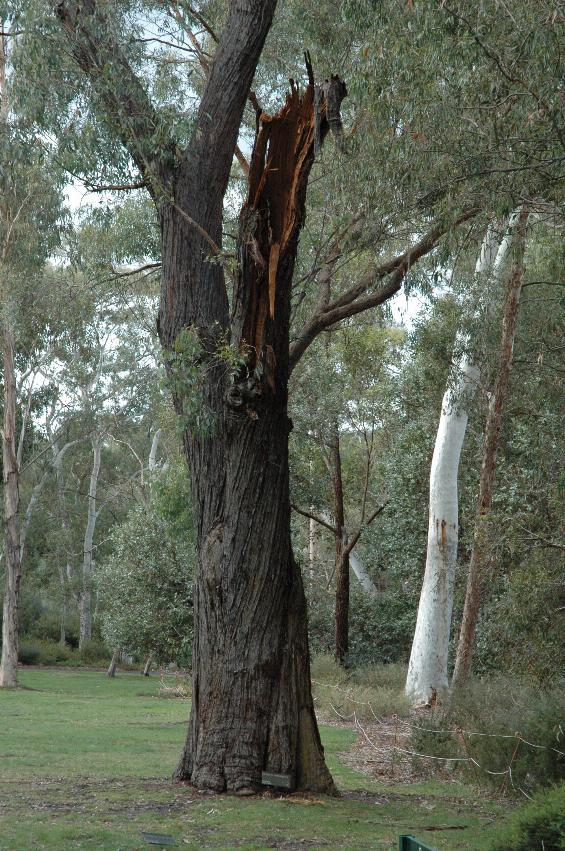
427, 669
85, 600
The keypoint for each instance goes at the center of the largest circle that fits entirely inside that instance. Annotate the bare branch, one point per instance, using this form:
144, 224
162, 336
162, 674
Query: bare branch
116, 187
351, 303
319, 520
355, 539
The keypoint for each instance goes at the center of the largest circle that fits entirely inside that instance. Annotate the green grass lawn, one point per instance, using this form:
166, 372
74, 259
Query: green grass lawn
85, 762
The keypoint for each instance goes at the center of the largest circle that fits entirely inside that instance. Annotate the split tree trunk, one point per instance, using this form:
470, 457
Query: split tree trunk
428, 666
252, 708
479, 553
85, 597
341, 557
12, 549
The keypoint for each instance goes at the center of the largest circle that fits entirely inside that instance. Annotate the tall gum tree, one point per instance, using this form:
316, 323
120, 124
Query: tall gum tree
252, 709
428, 666
478, 563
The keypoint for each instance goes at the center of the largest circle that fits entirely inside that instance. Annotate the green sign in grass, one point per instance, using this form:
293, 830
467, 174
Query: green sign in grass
410, 843
161, 839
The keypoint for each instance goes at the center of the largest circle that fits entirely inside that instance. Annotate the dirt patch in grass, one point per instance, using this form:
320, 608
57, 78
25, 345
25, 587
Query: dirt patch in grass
380, 752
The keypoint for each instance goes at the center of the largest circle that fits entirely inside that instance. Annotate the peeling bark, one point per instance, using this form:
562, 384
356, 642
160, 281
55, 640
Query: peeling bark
428, 665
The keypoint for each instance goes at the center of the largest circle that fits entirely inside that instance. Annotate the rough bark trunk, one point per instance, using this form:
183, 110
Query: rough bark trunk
147, 666
12, 549
312, 547
479, 552
356, 563
341, 557
252, 708
85, 598
428, 665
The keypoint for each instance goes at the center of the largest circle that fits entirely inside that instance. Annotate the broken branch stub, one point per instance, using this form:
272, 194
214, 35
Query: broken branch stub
270, 223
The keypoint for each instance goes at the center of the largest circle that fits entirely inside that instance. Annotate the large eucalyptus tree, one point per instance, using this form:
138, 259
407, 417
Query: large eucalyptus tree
252, 709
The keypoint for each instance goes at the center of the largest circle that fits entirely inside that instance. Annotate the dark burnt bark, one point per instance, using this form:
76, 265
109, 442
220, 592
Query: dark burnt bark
341, 555
479, 553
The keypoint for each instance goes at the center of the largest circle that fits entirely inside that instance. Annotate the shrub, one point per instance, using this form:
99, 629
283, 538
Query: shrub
538, 825
508, 708
35, 652
48, 627
522, 627
145, 588
28, 652
94, 652
380, 630
375, 690
29, 612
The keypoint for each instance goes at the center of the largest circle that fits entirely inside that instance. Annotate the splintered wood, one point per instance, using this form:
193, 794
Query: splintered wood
273, 214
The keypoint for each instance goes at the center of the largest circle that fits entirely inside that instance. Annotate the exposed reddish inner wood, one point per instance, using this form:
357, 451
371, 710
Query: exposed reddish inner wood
278, 176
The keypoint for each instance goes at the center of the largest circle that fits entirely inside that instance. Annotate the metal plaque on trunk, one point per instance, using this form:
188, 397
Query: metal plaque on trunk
280, 781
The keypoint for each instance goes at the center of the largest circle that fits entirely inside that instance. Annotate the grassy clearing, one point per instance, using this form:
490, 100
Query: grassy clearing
85, 762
